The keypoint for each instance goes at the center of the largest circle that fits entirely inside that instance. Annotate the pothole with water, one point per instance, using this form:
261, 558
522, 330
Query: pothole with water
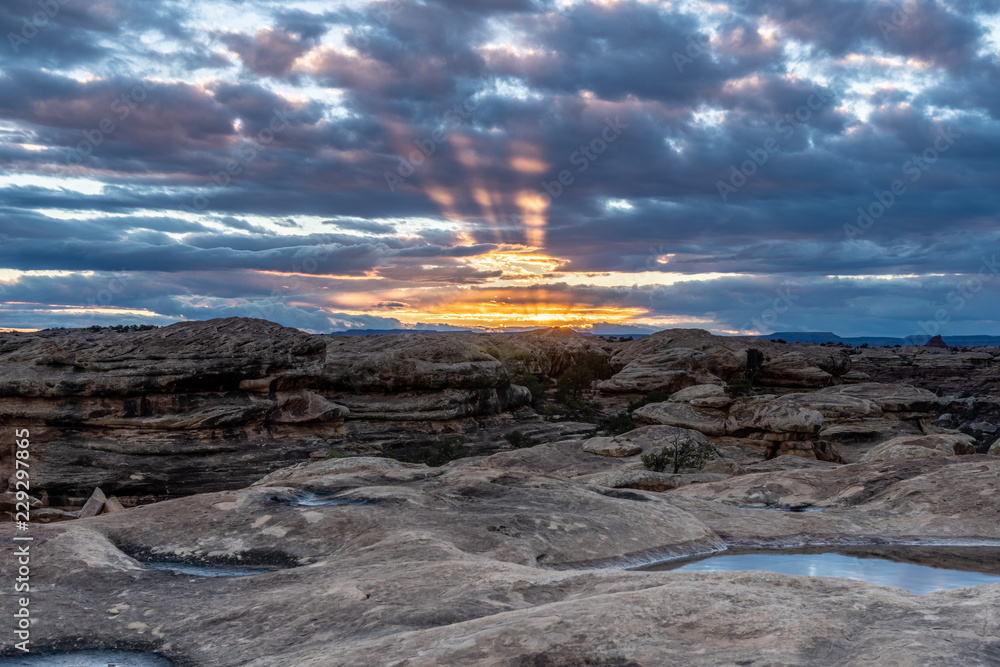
314, 499
207, 570
919, 570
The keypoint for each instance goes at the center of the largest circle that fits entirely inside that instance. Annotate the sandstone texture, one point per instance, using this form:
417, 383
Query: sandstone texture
490, 562
838, 423
906, 447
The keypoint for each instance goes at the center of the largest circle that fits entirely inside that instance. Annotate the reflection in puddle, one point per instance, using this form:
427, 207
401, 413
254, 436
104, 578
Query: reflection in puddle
88, 659
904, 570
207, 570
310, 499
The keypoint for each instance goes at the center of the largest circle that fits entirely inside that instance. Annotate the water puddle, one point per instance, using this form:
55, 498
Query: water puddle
88, 659
783, 508
207, 570
311, 499
919, 570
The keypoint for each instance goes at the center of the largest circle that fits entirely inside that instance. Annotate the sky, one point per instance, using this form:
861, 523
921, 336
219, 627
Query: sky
621, 165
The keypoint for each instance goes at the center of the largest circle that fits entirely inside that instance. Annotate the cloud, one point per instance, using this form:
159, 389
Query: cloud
497, 112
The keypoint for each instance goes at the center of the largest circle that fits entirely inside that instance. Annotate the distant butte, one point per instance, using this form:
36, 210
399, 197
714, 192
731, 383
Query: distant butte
937, 341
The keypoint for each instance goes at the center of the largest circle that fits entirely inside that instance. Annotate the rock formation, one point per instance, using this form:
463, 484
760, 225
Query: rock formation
200, 406
953, 371
936, 341
678, 358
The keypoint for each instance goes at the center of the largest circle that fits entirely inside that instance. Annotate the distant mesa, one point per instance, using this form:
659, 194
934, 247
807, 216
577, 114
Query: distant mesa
937, 341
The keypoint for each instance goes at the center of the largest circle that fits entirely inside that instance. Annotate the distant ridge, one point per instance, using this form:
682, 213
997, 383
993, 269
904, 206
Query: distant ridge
819, 337
389, 332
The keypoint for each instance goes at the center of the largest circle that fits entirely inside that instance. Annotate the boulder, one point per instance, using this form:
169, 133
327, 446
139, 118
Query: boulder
682, 415
612, 447
835, 406
304, 407
698, 391
775, 418
793, 369
907, 447
648, 480
669, 370
655, 437
994, 449
888, 397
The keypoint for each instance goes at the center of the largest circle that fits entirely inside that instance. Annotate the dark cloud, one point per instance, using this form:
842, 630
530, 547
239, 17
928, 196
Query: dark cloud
270, 52
478, 110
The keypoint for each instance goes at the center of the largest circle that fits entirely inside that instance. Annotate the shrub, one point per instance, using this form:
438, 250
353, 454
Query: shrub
683, 453
435, 454
620, 423
588, 367
335, 454
124, 328
738, 387
573, 383
519, 440
651, 397
534, 385
755, 359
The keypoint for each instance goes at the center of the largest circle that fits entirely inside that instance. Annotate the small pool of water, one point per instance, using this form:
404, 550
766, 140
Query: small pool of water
88, 659
783, 508
311, 499
919, 570
207, 570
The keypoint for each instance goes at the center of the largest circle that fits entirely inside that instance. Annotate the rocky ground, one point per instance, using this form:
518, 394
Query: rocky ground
222, 439
492, 561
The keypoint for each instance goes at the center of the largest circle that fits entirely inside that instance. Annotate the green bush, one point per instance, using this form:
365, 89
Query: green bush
683, 453
573, 383
651, 397
533, 383
620, 423
519, 440
588, 367
738, 387
435, 454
